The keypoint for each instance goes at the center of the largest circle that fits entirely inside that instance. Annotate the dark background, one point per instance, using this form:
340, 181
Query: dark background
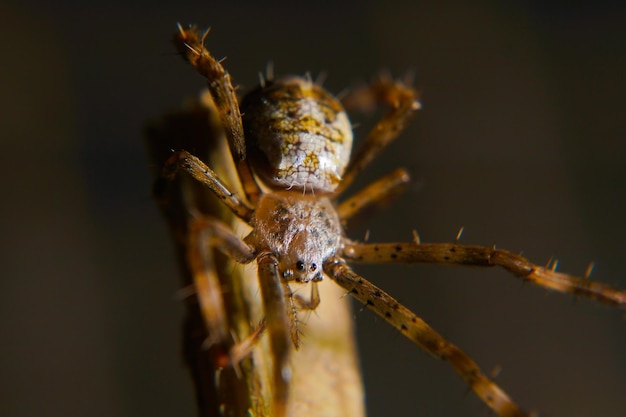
521, 140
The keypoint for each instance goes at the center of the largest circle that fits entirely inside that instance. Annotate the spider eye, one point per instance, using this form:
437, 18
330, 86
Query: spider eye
300, 266
313, 267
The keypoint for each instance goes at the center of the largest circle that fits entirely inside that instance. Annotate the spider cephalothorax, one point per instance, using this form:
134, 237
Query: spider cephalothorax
303, 232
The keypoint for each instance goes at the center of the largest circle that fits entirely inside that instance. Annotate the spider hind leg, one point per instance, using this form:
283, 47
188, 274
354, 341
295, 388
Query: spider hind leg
402, 101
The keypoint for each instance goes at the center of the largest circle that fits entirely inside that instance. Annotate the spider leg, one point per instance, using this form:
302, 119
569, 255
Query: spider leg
455, 254
377, 193
185, 161
403, 102
243, 348
205, 235
191, 45
274, 300
423, 335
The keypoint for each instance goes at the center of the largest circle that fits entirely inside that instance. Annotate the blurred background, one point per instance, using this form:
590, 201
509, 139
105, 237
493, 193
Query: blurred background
520, 140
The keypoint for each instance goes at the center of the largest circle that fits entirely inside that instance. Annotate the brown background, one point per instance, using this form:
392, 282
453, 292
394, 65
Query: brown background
521, 141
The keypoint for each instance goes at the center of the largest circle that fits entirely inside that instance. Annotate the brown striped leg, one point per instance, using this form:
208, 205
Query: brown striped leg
205, 235
190, 44
455, 254
402, 101
278, 324
184, 161
379, 192
244, 347
423, 335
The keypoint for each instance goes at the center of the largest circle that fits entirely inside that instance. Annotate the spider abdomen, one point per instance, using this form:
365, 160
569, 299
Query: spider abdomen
297, 135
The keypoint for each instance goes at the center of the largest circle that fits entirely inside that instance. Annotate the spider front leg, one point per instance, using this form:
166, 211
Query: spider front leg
455, 254
190, 44
418, 331
274, 300
281, 308
403, 102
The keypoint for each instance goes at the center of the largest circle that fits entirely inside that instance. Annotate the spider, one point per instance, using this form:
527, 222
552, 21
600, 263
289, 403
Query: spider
291, 141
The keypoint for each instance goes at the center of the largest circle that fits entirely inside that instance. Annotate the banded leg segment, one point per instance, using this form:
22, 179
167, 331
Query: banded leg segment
191, 45
455, 254
423, 335
377, 193
278, 325
403, 102
205, 235
184, 161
